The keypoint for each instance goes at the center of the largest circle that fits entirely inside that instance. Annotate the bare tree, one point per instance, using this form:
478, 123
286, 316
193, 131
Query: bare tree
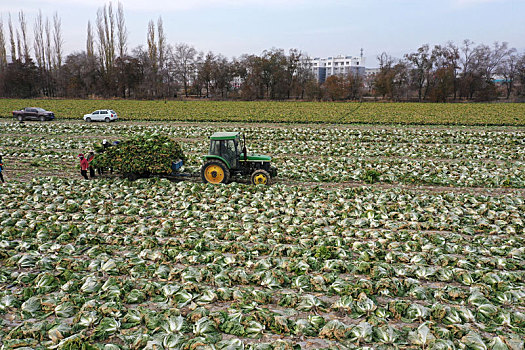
48, 45
304, 76
487, 60
521, 74
162, 52
39, 47
498, 55
58, 41
106, 37
183, 60
196, 83
19, 44
422, 62
451, 56
151, 62
383, 80
152, 46
468, 56
90, 65
109, 23
469, 74
23, 29
477, 81
293, 62
12, 39
3, 53
161, 43
122, 32
509, 70
206, 69
443, 74
90, 45
385, 60
222, 75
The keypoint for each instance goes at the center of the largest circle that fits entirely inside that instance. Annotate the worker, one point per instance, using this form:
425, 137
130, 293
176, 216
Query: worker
84, 164
90, 157
1, 169
105, 145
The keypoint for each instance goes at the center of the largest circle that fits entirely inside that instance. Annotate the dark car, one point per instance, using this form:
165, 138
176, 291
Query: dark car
33, 113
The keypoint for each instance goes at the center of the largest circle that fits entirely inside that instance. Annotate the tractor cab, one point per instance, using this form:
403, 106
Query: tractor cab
228, 158
226, 146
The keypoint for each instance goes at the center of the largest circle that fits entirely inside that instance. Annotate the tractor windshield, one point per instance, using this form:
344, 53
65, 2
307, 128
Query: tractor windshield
230, 147
215, 147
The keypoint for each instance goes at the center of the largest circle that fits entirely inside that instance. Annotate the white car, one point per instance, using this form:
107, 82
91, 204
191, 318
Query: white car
102, 115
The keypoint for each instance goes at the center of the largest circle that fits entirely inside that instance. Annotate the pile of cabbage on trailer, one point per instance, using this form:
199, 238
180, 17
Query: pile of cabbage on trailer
140, 155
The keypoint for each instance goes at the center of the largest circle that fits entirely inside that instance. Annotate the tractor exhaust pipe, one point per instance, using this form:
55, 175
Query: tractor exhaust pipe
244, 150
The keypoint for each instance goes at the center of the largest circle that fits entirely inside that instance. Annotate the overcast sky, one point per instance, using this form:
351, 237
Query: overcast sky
320, 28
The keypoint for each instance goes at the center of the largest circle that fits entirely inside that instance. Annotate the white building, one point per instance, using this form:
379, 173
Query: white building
371, 71
322, 68
236, 83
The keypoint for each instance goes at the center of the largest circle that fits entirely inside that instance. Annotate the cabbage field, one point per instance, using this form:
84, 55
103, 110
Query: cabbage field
372, 237
287, 112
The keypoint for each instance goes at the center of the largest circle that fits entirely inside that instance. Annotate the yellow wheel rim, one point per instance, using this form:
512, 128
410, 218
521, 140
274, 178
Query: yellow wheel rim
260, 179
214, 174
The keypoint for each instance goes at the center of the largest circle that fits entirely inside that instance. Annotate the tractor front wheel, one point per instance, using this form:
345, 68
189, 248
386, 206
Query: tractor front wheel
215, 172
260, 177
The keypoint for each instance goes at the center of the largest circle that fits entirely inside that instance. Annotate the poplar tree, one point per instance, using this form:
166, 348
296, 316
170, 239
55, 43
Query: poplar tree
90, 45
12, 39
122, 33
38, 45
23, 29
57, 41
3, 53
106, 37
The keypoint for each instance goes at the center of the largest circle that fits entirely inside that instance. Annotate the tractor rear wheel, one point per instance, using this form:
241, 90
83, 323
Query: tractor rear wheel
215, 172
260, 177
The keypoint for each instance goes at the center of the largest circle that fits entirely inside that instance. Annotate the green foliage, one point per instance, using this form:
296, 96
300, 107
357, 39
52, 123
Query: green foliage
371, 176
324, 252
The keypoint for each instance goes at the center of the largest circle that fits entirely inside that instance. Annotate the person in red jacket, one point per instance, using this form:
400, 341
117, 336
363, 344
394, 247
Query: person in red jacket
84, 165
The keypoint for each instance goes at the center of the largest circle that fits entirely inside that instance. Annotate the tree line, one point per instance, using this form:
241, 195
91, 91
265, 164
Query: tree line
453, 72
108, 68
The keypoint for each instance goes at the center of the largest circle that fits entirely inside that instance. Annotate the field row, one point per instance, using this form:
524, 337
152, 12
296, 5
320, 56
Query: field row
362, 134
289, 112
154, 264
408, 155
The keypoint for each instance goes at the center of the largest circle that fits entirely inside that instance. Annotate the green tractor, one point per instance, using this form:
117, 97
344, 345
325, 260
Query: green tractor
228, 158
